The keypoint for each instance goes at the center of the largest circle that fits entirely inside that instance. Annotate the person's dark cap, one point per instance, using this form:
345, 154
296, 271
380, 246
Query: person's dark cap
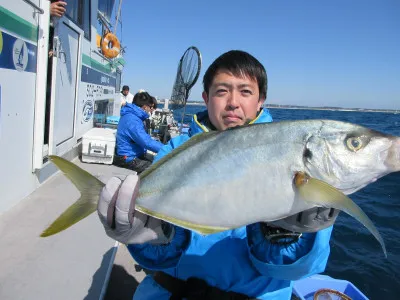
125, 88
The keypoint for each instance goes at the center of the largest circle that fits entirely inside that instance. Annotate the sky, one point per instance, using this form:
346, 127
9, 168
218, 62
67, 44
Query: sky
317, 53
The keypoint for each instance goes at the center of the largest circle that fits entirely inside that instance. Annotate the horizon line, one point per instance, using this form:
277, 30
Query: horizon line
288, 106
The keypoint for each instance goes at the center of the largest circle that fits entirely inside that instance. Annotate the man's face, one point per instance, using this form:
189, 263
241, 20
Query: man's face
125, 92
232, 101
148, 108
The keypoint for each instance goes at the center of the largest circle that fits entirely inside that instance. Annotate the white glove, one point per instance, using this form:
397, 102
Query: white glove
116, 209
310, 220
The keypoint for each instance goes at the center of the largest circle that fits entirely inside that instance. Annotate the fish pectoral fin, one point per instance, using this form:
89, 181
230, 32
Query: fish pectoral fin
199, 228
76, 212
318, 192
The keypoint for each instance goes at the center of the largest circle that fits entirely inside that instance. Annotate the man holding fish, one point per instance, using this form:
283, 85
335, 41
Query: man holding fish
232, 211
259, 260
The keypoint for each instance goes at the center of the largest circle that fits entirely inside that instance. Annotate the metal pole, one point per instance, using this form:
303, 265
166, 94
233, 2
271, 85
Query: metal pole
34, 6
116, 21
184, 109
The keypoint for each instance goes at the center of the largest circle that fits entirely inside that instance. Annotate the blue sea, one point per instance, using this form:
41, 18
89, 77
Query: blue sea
355, 254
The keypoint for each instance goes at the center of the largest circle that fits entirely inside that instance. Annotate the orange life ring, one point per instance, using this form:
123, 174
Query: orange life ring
113, 51
98, 40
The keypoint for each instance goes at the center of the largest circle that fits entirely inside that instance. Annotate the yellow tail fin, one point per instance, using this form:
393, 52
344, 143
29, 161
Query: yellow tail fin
89, 187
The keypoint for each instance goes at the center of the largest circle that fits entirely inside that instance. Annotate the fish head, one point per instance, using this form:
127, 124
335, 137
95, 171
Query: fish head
348, 156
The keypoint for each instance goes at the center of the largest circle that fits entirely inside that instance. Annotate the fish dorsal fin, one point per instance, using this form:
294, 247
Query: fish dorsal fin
198, 138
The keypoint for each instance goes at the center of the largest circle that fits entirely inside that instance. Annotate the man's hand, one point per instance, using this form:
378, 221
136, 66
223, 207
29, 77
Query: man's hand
116, 209
310, 220
57, 8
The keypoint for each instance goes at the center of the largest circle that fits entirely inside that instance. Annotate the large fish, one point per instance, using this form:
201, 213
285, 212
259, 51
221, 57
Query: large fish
263, 172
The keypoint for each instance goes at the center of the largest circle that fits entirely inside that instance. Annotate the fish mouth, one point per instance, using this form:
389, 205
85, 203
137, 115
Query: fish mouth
393, 158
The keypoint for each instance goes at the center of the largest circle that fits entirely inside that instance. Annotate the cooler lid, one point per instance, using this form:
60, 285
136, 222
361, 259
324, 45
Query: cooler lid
103, 134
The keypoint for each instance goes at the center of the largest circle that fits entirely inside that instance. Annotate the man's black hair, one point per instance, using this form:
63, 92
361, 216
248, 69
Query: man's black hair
144, 98
154, 100
240, 64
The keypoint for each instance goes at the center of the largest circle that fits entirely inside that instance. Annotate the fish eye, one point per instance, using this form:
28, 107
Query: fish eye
354, 143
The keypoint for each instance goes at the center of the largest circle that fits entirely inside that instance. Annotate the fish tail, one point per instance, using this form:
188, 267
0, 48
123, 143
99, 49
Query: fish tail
89, 187
323, 194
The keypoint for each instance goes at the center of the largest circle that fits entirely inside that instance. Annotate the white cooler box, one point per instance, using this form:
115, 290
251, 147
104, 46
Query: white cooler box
98, 146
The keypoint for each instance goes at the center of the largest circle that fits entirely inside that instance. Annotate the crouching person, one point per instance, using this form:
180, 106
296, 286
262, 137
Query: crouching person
132, 140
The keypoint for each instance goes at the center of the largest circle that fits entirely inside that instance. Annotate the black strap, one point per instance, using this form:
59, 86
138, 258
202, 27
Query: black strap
194, 289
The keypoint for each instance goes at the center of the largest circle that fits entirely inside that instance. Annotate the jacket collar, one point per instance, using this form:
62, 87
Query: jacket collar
201, 122
130, 108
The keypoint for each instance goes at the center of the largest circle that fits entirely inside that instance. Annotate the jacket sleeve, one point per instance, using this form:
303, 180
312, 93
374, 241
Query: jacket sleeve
161, 257
137, 133
304, 258
172, 144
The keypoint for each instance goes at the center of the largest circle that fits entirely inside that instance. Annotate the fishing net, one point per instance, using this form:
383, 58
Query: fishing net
186, 76
329, 294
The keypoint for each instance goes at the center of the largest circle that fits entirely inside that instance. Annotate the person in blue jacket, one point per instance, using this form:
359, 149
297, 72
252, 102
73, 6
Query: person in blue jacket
257, 261
132, 139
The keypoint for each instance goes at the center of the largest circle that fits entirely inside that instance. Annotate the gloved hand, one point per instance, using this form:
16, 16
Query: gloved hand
311, 220
116, 210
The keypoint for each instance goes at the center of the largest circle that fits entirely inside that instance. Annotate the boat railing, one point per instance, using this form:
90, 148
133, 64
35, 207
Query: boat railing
103, 20
102, 56
40, 11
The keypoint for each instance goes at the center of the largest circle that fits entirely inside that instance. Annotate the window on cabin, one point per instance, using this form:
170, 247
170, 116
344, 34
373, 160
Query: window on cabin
106, 8
118, 81
79, 12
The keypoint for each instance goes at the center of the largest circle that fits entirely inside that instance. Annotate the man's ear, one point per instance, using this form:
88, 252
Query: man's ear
260, 103
205, 97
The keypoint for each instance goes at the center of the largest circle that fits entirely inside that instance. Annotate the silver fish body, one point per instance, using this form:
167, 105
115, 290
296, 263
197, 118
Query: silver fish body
263, 172
244, 175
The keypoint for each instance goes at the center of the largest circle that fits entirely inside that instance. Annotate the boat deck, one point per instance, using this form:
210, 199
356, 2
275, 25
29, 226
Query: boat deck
74, 264
81, 262
125, 276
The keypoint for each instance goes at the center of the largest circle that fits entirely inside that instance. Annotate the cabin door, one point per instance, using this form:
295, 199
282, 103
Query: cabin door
66, 41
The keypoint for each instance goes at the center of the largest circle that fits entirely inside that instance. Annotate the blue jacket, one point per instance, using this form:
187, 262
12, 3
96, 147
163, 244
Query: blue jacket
132, 140
239, 260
